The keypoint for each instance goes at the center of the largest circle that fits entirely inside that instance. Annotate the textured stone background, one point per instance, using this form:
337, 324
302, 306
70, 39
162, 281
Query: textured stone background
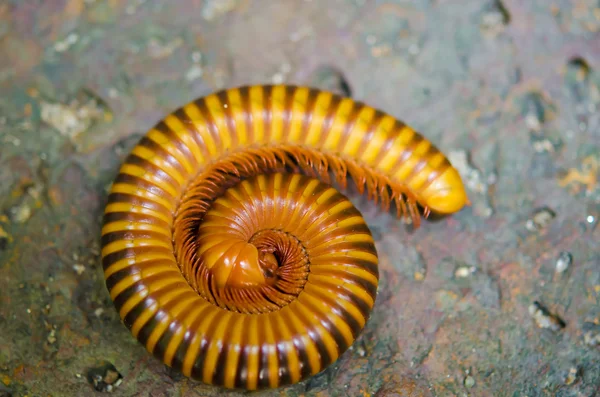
510, 90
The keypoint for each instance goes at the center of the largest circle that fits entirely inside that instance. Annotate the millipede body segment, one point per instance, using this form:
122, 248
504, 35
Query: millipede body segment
228, 252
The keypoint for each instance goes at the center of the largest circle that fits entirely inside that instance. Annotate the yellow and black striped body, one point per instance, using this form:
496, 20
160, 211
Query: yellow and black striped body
226, 251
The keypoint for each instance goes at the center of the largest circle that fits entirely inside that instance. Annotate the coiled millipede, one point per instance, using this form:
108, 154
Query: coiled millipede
226, 249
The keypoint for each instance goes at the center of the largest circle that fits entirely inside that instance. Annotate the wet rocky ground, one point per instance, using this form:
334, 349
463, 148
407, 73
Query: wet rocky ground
502, 299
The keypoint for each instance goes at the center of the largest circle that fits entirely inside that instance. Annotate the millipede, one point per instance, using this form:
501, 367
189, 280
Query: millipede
229, 251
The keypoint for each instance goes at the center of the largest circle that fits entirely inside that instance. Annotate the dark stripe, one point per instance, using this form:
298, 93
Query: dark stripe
303, 359
222, 364
160, 348
306, 211
342, 215
229, 117
337, 234
247, 112
132, 235
361, 305
282, 356
127, 294
355, 110
421, 163
300, 188
144, 185
155, 171
207, 340
369, 266
114, 278
318, 192
255, 201
352, 279
348, 213
163, 153
309, 109
267, 112
346, 316
212, 336
179, 356
115, 198
219, 374
263, 357
163, 342
131, 252
387, 146
193, 131
328, 120
188, 337
117, 276
241, 372
368, 136
326, 322
345, 246
139, 286
211, 125
324, 357
341, 261
327, 233
407, 152
136, 312
198, 367
150, 326
176, 141
435, 173
135, 217
290, 93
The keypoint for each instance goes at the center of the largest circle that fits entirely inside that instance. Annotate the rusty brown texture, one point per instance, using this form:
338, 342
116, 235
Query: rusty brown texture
502, 299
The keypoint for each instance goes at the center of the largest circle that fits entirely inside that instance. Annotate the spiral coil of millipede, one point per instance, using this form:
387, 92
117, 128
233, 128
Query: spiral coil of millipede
228, 253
